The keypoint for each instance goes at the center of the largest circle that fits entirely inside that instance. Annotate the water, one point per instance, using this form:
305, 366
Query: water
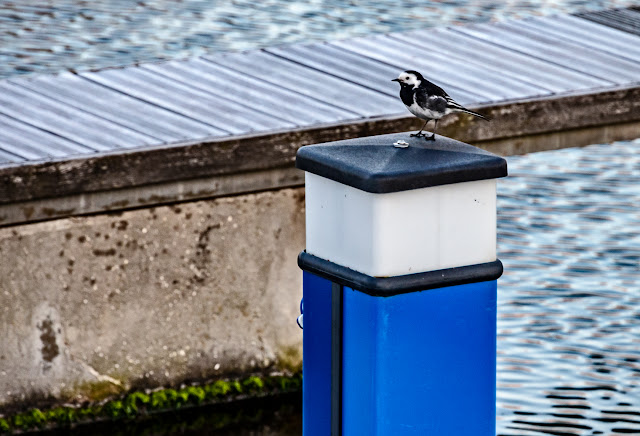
38, 36
568, 304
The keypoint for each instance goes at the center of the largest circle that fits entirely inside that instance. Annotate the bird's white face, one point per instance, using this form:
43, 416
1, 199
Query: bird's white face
408, 79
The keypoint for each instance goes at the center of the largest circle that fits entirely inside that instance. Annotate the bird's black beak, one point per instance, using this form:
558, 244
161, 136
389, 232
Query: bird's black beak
395, 80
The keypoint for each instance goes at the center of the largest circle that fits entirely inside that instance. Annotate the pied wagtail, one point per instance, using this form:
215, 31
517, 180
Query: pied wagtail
427, 101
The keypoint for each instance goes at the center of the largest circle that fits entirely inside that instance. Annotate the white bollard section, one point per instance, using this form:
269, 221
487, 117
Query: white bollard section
404, 232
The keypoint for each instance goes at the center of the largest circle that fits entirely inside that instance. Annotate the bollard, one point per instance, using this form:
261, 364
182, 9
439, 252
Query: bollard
399, 287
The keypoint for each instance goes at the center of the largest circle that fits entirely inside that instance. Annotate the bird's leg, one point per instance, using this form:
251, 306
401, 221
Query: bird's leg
433, 135
419, 134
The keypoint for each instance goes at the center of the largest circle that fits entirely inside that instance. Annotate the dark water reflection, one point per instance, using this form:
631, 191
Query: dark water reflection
568, 305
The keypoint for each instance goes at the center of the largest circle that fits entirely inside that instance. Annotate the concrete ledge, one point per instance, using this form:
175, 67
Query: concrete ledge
148, 195
563, 139
256, 181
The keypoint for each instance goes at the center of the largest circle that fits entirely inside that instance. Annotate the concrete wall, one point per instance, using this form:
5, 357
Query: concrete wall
91, 306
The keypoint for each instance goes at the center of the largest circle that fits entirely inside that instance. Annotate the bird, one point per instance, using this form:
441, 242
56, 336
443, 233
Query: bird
427, 101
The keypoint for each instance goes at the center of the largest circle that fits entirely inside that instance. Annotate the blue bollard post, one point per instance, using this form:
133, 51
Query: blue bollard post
399, 293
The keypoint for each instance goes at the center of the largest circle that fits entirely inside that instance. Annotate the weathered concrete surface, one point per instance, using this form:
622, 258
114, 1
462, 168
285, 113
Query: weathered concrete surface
90, 306
563, 139
149, 195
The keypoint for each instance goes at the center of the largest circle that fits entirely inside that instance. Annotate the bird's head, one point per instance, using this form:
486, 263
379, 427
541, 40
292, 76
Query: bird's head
409, 78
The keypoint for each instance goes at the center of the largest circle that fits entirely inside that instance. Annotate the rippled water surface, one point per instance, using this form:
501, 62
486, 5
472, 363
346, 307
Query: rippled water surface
569, 301
52, 35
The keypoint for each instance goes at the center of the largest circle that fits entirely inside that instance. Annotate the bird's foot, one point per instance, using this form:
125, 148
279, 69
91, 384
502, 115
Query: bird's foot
430, 138
417, 135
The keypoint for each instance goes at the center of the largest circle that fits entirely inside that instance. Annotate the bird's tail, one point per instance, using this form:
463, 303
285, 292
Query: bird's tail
462, 109
452, 104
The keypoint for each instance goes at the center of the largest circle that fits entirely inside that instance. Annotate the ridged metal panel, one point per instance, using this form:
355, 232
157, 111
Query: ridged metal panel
32, 143
627, 20
348, 66
7, 158
353, 67
225, 116
501, 60
250, 92
576, 57
591, 27
621, 67
597, 36
440, 69
47, 114
70, 89
307, 81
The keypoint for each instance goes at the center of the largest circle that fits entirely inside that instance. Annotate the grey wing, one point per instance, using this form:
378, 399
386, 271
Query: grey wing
433, 103
437, 103
440, 103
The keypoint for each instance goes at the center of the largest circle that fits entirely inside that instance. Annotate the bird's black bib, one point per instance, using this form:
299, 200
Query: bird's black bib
406, 94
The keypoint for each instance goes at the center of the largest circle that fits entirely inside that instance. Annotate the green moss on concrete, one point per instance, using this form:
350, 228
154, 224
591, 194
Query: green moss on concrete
136, 404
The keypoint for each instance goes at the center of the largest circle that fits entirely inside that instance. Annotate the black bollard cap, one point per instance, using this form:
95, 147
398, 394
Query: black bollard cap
374, 164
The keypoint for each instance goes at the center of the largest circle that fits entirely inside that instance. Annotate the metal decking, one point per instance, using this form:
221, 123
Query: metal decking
627, 20
297, 88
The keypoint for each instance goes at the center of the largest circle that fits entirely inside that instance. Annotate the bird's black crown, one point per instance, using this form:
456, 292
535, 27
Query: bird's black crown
415, 73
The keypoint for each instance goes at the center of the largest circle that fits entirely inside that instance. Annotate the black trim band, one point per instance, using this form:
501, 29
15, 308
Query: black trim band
388, 286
